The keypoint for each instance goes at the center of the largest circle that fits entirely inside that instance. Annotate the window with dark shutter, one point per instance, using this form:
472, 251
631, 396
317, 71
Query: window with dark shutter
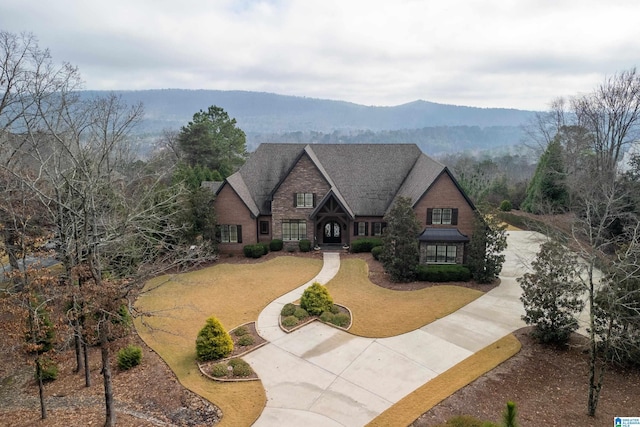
429, 216
454, 216
239, 234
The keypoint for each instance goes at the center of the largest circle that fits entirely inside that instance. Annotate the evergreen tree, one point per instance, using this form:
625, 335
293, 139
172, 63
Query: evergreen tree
552, 294
485, 251
400, 253
547, 192
212, 140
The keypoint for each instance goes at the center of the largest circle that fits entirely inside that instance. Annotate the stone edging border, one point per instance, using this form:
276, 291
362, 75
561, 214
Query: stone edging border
233, 380
314, 318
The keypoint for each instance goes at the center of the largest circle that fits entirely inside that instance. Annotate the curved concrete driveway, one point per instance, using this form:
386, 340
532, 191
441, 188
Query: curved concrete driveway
322, 376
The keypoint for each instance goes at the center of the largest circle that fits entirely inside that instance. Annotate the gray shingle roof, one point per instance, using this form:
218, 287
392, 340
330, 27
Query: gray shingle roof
442, 235
367, 177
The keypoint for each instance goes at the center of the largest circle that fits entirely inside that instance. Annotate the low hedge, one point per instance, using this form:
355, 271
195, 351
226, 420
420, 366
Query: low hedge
276, 245
305, 245
365, 245
376, 252
255, 251
443, 273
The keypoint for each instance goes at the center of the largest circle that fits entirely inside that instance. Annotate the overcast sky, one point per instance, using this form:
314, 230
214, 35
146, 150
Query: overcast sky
485, 53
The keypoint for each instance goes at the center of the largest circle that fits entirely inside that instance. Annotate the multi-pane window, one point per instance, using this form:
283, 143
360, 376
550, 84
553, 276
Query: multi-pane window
442, 253
294, 229
264, 227
304, 200
378, 228
362, 229
230, 233
441, 216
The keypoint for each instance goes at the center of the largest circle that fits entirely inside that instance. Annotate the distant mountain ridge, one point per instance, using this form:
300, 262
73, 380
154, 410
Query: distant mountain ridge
267, 116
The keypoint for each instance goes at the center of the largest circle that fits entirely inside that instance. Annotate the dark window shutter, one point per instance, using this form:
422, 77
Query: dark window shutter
239, 234
355, 228
295, 200
366, 228
429, 216
218, 234
314, 200
454, 216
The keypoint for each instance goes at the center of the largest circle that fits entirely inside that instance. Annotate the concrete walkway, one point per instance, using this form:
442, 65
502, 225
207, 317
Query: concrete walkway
322, 376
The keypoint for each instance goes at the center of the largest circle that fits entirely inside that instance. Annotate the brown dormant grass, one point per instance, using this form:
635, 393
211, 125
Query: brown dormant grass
379, 312
235, 294
444, 385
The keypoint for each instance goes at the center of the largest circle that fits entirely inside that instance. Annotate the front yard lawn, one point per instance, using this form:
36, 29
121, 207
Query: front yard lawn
379, 312
235, 294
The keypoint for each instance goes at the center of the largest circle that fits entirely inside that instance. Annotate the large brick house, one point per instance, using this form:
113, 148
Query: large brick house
332, 194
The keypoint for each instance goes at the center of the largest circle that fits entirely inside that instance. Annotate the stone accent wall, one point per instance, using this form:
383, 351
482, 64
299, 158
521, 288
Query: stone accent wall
303, 178
230, 209
445, 194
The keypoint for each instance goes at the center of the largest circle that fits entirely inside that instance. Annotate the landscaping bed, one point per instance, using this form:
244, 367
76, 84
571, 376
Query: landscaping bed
232, 368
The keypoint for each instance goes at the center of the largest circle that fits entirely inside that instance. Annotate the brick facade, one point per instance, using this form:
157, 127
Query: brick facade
303, 178
445, 194
231, 210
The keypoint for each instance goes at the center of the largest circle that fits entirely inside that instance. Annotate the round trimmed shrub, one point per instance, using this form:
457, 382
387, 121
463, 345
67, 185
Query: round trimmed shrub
240, 368
219, 370
290, 321
505, 206
129, 356
240, 331
276, 245
326, 316
301, 313
288, 310
334, 309
341, 319
316, 299
213, 341
376, 252
245, 340
305, 245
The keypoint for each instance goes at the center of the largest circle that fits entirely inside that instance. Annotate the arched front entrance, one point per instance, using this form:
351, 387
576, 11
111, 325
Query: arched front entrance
331, 232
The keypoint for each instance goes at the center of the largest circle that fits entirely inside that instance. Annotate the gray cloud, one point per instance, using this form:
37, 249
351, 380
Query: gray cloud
487, 53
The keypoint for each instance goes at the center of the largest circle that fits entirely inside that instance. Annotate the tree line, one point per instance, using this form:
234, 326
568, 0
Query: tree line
74, 190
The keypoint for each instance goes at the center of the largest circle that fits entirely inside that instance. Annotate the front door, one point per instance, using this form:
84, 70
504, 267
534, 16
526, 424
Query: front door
332, 231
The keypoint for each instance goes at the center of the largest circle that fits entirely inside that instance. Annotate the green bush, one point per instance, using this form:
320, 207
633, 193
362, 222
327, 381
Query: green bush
48, 371
334, 309
305, 245
376, 251
129, 357
288, 310
300, 313
245, 340
219, 370
443, 273
264, 246
341, 319
290, 321
240, 331
213, 341
254, 251
505, 206
326, 316
240, 368
365, 245
316, 299
276, 245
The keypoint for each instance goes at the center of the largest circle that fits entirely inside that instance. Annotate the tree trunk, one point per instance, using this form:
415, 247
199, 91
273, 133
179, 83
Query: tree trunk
87, 373
78, 347
43, 406
110, 413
